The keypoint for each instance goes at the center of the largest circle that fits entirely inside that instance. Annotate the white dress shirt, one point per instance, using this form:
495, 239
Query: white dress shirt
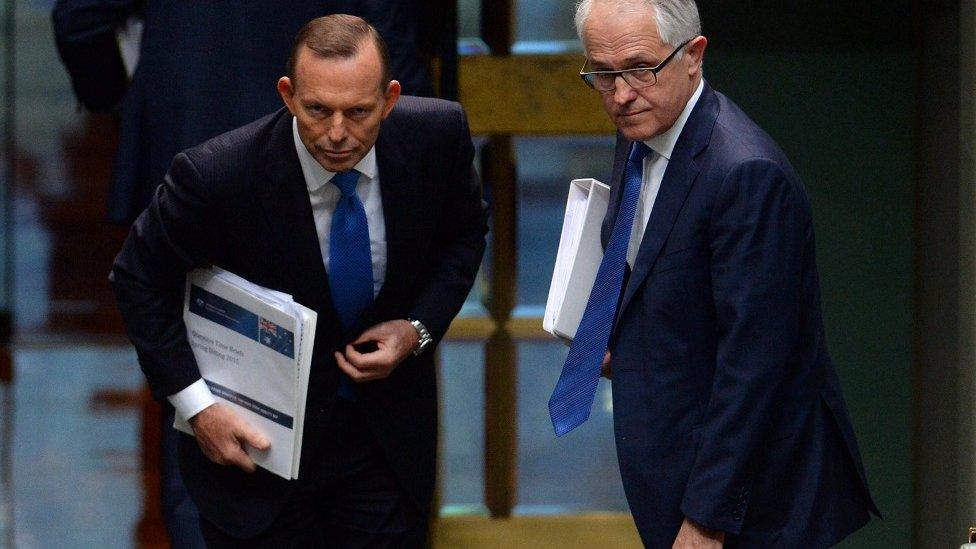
323, 197
655, 164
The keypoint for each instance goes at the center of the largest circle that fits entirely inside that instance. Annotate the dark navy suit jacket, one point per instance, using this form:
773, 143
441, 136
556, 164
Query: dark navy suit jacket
727, 409
240, 201
204, 68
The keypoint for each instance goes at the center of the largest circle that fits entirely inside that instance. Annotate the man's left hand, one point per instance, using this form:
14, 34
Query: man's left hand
693, 535
388, 344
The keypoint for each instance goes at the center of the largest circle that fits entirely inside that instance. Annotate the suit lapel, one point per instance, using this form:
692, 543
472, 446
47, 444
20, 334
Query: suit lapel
400, 190
675, 185
288, 215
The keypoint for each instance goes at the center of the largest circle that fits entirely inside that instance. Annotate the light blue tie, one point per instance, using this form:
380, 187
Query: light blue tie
350, 263
572, 399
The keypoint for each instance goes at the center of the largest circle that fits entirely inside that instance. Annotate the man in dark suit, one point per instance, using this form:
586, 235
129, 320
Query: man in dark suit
728, 416
204, 68
365, 207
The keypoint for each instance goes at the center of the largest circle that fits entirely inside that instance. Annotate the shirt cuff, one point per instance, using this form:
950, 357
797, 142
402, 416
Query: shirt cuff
192, 400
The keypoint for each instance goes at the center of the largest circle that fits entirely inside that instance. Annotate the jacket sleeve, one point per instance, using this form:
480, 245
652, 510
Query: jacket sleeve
760, 227
172, 236
459, 241
84, 32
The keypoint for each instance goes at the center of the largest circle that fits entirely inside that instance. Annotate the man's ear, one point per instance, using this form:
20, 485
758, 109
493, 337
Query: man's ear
287, 93
391, 96
695, 50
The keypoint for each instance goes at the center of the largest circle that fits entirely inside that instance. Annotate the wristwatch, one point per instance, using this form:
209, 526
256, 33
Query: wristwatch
425, 338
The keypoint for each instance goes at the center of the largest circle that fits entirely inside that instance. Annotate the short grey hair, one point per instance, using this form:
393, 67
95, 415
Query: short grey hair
677, 20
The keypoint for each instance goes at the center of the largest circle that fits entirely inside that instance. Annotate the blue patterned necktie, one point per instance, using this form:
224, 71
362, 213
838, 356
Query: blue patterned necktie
350, 262
572, 399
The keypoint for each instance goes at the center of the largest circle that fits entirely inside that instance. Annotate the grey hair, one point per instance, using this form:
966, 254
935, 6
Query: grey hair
677, 20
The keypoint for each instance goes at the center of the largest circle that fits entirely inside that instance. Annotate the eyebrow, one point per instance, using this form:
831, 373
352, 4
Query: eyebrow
650, 60
628, 62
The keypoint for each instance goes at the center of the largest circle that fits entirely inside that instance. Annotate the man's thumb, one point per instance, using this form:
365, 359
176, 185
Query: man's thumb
255, 439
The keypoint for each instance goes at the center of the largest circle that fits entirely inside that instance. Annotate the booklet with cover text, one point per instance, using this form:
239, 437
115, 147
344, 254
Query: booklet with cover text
254, 350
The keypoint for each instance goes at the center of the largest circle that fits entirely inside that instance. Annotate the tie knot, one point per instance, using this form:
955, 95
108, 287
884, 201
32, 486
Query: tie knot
346, 181
638, 151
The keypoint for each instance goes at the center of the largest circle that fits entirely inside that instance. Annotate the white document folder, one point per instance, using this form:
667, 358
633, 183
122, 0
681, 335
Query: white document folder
578, 257
254, 350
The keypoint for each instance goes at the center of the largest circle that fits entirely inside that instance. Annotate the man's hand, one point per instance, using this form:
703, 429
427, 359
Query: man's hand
692, 535
605, 369
393, 341
222, 435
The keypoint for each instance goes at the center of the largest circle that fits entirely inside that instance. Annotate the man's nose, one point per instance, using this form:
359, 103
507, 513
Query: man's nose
622, 91
337, 128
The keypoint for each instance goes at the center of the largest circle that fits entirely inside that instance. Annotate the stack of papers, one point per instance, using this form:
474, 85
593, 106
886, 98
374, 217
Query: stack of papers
254, 350
578, 258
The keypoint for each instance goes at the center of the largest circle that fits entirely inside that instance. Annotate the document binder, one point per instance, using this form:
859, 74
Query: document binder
578, 257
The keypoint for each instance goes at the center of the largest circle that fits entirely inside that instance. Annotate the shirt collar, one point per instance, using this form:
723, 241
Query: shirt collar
315, 174
664, 143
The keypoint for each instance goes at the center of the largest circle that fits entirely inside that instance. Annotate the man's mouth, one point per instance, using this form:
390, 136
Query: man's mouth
629, 114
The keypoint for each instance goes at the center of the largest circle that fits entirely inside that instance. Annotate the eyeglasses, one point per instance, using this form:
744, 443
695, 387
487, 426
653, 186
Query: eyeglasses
641, 77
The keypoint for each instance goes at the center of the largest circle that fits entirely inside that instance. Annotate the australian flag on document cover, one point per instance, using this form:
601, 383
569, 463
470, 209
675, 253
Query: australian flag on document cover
276, 337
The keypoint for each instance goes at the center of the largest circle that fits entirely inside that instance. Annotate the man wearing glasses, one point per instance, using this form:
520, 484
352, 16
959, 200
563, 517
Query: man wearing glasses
729, 420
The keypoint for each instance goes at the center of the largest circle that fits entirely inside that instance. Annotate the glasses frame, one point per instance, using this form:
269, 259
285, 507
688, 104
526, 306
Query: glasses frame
584, 74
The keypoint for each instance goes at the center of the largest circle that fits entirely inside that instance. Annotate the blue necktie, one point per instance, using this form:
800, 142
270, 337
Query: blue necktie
350, 262
572, 399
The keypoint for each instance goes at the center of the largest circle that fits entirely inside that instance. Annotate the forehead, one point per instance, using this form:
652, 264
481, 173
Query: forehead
356, 77
616, 33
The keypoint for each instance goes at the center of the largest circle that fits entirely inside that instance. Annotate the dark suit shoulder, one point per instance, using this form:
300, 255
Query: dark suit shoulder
737, 140
429, 109
231, 155
739, 136
424, 128
425, 116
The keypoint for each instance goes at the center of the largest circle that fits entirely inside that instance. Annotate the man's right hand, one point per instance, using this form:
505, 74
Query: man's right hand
222, 435
605, 369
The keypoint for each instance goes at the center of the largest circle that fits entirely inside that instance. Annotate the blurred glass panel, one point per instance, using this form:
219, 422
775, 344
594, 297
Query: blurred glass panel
76, 459
462, 383
545, 26
577, 472
469, 18
541, 26
546, 165
49, 128
474, 304
469, 28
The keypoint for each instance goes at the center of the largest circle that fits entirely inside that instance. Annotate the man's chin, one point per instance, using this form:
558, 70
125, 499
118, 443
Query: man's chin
637, 133
337, 166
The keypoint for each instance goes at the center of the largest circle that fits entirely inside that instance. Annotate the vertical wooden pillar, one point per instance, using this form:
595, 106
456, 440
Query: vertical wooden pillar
151, 530
7, 181
501, 402
6, 364
501, 375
